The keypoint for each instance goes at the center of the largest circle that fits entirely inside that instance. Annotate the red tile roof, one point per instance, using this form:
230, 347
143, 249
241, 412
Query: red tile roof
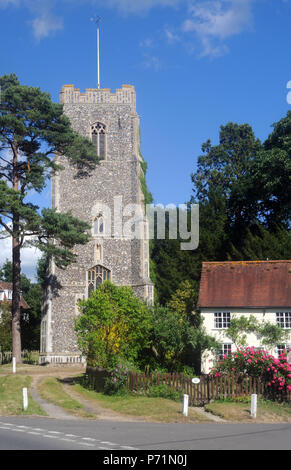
8, 286
245, 284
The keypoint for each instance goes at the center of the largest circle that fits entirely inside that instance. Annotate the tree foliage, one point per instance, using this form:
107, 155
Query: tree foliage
242, 186
32, 294
33, 130
113, 324
5, 327
269, 334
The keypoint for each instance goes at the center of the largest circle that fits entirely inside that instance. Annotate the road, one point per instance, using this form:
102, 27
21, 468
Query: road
50, 434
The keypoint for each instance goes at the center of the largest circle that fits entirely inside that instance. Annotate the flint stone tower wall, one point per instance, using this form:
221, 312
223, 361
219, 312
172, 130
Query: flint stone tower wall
114, 184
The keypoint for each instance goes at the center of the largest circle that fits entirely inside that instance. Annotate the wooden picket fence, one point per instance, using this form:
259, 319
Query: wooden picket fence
28, 357
209, 388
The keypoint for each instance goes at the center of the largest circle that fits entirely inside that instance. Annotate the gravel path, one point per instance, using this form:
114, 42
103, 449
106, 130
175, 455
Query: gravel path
50, 409
93, 408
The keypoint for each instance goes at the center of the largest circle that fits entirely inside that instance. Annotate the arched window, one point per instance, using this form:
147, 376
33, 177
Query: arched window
97, 276
98, 225
98, 133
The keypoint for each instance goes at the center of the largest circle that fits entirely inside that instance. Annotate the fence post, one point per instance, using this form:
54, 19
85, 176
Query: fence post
25, 399
254, 401
185, 405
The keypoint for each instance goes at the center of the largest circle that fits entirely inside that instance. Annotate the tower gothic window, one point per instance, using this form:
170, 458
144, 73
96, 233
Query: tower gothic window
98, 133
98, 225
97, 276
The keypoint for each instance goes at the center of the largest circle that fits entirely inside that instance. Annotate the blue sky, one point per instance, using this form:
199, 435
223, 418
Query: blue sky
196, 64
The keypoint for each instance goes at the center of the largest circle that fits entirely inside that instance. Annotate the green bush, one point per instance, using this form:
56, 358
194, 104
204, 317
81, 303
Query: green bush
116, 382
241, 399
188, 372
164, 391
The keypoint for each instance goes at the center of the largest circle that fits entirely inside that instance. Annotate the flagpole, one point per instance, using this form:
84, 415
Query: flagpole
98, 53
97, 20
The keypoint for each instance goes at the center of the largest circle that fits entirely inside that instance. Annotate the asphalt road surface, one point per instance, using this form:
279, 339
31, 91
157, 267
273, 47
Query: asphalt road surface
51, 434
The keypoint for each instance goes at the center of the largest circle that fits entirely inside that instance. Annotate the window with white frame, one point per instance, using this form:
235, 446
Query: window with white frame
283, 319
281, 348
225, 350
98, 133
222, 320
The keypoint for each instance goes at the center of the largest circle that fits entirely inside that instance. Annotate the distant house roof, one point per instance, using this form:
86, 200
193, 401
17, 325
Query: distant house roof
7, 286
245, 284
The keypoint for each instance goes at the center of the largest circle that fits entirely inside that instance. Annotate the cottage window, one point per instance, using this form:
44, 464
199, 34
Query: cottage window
281, 348
283, 319
224, 351
98, 134
97, 276
222, 320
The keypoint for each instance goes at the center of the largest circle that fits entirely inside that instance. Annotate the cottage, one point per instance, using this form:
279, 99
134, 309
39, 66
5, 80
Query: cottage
6, 296
258, 288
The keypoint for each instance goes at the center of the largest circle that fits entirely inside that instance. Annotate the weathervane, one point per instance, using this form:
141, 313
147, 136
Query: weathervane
96, 19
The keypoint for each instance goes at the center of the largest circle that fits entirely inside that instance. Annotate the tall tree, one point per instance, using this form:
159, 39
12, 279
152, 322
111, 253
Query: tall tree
33, 130
243, 190
222, 168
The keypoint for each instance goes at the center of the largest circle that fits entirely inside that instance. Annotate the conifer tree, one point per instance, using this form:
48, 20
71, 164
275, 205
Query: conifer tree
33, 130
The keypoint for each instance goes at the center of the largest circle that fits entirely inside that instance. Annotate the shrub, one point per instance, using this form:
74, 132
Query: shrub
275, 372
164, 391
116, 382
113, 322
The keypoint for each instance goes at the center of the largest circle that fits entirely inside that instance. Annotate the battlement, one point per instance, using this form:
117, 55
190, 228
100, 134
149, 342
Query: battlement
125, 95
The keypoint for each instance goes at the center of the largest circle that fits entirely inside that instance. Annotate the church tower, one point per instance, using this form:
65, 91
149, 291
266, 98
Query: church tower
103, 199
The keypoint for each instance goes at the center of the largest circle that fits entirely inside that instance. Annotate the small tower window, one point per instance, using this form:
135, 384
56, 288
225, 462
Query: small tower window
98, 225
98, 252
98, 133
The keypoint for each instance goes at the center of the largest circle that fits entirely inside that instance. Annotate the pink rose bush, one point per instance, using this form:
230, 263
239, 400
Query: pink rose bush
249, 362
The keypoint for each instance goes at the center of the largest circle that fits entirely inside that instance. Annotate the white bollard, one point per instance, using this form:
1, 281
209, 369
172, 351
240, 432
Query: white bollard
14, 365
254, 405
25, 398
185, 405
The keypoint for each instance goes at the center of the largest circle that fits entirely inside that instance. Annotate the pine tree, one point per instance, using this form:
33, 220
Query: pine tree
33, 130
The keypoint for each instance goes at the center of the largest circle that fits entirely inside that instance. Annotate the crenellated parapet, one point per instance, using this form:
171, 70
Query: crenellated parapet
125, 95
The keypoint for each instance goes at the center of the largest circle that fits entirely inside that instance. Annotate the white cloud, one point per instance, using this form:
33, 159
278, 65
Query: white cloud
212, 21
29, 257
152, 62
46, 24
216, 20
147, 43
171, 36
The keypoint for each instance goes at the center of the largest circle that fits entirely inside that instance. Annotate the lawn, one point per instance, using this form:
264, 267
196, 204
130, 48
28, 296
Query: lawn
11, 399
267, 411
139, 406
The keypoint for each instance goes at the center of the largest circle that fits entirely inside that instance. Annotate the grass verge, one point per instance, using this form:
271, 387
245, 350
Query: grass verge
267, 411
152, 409
11, 399
51, 389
